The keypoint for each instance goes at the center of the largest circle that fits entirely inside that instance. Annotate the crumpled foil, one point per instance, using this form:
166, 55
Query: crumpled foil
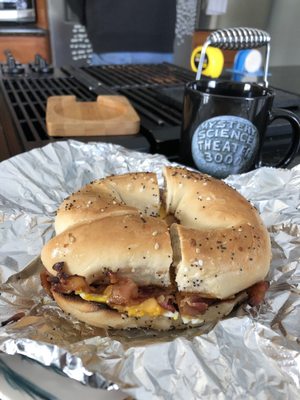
253, 354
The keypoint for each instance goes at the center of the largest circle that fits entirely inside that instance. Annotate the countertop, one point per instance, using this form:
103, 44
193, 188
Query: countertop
285, 78
17, 29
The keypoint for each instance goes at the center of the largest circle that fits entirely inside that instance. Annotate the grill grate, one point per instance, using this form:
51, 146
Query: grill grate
155, 91
143, 85
153, 112
27, 99
136, 75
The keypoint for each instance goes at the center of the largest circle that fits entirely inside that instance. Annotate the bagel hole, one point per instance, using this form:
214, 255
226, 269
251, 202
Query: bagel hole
163, 209
177, 252
165, 194
166, 216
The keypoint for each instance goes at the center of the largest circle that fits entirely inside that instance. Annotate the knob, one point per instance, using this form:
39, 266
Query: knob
40, 65
12, 67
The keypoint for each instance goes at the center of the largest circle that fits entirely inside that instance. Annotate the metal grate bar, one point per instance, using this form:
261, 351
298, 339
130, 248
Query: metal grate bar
120, 76
160, 74
143, 101
171, 111
28, 99
82, 94
110, 78
146, 76
24, 118
35, 109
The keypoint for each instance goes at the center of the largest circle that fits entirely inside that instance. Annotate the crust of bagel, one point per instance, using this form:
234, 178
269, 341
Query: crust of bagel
201, 202
93, 314
133, 193
136, 247
220, 263
81, 208
221, 246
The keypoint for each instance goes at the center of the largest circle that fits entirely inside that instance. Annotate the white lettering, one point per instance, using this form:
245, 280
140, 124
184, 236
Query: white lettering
210, 133
221, 124
228, 159
201, 134
207, 145
234, 147
250, 139
226, 146
200, 144
243, 137
235, 135
224, 133
208, 157
211, 124
216, 145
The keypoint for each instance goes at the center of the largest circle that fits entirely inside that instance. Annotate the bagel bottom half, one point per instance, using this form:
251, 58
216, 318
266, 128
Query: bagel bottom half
98, 315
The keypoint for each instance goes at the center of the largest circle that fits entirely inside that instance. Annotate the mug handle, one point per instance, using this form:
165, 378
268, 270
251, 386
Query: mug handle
294, 146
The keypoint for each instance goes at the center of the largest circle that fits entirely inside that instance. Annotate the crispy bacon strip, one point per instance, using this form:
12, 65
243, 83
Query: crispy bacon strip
192, 304
154, 291
122, 291
44, 275
257, 293
125, 292
113, 277
66, 284
70, 284
167, 302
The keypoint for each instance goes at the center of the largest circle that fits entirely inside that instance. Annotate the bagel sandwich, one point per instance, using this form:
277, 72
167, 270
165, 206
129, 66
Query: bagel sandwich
128, 255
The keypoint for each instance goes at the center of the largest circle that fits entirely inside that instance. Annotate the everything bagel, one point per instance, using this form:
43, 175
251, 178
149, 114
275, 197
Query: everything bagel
127, 254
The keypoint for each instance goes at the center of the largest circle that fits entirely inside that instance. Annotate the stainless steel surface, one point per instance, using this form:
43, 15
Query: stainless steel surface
68, 38
255, 13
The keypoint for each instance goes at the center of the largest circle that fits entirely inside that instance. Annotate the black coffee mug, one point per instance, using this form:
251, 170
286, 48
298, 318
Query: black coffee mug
224, 126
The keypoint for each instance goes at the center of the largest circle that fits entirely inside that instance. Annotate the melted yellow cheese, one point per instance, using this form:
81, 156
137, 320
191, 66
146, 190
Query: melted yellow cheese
99, 298
149, 307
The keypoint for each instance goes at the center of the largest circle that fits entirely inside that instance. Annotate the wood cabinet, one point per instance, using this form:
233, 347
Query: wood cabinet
24, 47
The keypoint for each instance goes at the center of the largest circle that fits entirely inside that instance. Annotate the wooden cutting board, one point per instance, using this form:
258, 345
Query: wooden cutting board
109, 115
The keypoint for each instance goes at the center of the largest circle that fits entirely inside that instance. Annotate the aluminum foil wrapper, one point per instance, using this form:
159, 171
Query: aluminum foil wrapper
253, 354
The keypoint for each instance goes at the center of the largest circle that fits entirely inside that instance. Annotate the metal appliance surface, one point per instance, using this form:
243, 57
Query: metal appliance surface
24, 90
155, 91
70, 44
255, 13
17, 11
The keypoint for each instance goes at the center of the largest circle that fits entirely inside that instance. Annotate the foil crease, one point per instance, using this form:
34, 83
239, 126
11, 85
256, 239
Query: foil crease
253, 354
